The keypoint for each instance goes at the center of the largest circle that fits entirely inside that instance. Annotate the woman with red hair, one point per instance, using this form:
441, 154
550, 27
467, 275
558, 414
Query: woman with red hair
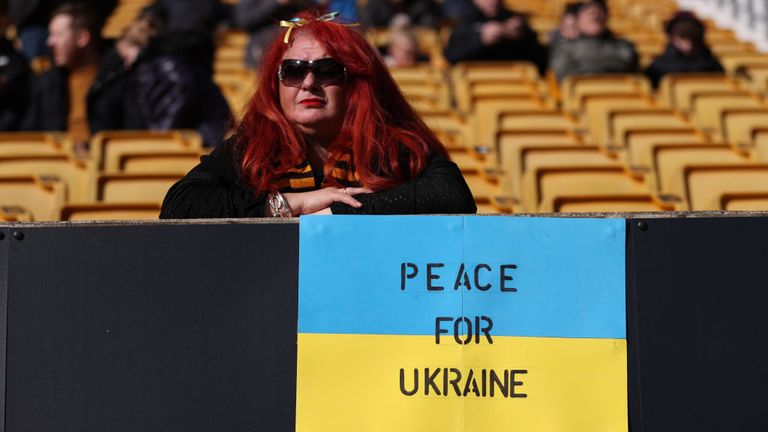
327, 131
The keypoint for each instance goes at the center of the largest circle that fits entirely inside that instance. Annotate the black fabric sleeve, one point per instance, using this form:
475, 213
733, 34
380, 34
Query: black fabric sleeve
464, 43
439, 189
212, 190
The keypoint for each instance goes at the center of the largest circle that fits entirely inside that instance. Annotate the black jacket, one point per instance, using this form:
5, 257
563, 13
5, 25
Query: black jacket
191, 14
175, 90
673, 61
214, 189
49, 105
379, 13
465, 42
15, 82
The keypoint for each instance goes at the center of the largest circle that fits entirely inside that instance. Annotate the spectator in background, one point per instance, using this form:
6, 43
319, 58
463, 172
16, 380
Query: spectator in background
31, 19
347, 9
59, 96
403, 48
596, 50
568, 28
381, 13
454, 10
686, 50
261, 18
15, 78
191, 14
491, 32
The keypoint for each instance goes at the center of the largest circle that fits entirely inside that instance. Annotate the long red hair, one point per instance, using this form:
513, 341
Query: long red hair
380, 128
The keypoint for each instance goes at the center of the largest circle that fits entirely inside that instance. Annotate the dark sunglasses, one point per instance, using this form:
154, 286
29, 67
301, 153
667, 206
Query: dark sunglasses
326, 71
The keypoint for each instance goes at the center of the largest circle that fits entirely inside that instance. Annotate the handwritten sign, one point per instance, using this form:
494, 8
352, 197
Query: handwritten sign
450, 323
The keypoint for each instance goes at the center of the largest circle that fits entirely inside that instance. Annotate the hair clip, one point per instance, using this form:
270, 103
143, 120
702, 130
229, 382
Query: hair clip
298, 22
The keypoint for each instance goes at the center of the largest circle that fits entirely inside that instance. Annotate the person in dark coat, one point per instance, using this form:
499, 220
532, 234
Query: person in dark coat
58, 100
686, 50
175, 89
492, 32
423, 13
192, 14
31, 17
596, 50
15, 79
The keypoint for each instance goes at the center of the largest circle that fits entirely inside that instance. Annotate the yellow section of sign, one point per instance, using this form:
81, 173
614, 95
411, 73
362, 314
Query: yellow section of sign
408, 383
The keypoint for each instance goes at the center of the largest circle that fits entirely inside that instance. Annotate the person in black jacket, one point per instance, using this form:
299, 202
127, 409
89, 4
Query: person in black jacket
15, 78
58, 100
327, 131
686, 50
491, 32
379, 13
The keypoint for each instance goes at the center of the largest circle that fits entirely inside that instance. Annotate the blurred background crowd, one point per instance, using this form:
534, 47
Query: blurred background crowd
85, 69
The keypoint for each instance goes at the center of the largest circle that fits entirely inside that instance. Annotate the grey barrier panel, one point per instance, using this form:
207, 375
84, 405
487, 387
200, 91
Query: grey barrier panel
697, 324
152, 327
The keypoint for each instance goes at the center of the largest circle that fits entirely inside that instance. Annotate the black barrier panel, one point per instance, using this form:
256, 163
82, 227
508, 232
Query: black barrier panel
699, 325
5, 239
152, 328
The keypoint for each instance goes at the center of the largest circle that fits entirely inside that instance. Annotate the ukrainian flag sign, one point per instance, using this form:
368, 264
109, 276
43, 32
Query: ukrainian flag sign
452, 323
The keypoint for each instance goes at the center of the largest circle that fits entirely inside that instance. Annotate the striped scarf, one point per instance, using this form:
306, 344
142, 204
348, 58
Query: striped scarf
300, 178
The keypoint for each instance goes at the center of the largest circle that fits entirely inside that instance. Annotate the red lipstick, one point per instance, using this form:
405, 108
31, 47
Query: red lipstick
312, 102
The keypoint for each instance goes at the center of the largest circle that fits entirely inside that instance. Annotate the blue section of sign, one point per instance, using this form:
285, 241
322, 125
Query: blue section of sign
537, 277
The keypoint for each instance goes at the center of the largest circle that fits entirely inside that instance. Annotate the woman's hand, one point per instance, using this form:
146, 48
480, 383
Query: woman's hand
315, 201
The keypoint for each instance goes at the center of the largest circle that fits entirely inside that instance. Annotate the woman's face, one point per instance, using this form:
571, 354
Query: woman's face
315, 107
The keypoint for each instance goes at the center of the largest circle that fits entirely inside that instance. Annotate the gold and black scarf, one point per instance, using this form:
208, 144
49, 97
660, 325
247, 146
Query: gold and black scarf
301, 178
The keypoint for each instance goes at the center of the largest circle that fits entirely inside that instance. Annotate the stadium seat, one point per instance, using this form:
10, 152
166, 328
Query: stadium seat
744, 201
554, 183
676, 89
76, 175
32, 143
623, 122
638, 155
108, 211
38, 197
708, 108
109, 146
484, 121
671, 160
525, 164
172, 163
739, 124
622, 202
487, 192
706, 185
14, 214
575, 89
733, 61
597, 109
133, 188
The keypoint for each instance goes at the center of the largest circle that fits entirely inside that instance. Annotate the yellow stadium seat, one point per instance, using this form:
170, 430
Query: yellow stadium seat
744, 201
76, 175
676, 90
171, 163
133, 188
575, 89
622, 203
40, 198
671, 160
533, 159
641, 144
706, 185
448, 124
31, 143
760, 139
487, 192
108, 146
708, 108
597, 109
109, 211
733, 61
14, 214
626, 121
484, 121
739, 124
423, 86
552, 184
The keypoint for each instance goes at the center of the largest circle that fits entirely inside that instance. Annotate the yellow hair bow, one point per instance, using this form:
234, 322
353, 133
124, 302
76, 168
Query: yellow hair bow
298, 22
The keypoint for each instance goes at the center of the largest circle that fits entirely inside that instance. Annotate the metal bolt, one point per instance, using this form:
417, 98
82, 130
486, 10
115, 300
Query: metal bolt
642, 226
18, 235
